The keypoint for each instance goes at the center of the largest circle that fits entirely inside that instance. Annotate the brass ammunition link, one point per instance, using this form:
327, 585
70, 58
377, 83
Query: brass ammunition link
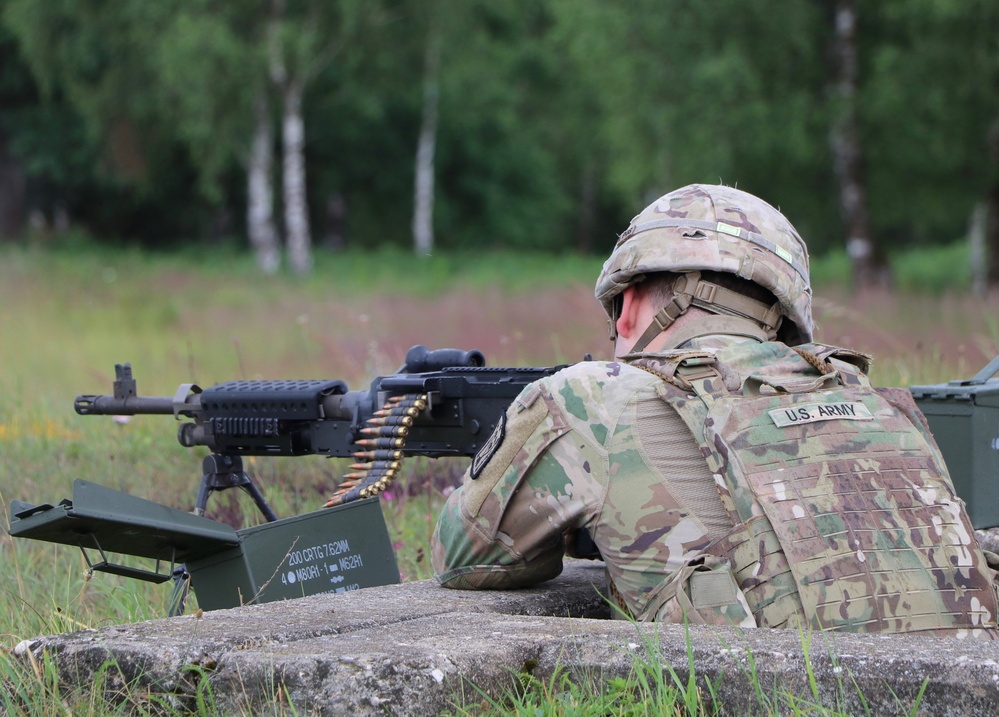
381, 456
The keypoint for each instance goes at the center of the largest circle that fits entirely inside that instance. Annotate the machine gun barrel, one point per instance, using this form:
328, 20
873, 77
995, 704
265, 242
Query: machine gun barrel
92, 405
127, 402
95, 405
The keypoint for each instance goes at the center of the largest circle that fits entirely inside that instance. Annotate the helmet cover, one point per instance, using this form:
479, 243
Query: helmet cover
716, 228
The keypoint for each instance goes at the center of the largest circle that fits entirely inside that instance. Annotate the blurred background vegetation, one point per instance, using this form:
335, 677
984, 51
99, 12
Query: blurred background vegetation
301, 126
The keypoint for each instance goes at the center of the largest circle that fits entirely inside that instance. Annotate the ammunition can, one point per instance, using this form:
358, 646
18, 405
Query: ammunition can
329, 551
964, 418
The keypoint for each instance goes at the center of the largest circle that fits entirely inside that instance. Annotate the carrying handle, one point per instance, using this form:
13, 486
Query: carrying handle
754, 384
986, 373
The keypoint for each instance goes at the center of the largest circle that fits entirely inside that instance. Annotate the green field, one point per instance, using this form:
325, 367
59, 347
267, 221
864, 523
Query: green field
67, 317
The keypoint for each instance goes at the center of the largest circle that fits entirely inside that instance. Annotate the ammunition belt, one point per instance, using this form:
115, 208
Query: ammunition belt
381, 451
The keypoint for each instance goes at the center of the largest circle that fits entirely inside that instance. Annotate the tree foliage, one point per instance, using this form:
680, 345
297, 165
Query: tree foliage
557, 119
931, 97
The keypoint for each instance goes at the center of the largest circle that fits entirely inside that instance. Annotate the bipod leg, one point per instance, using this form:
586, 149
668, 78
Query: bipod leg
226, 471
262, 505
181, 586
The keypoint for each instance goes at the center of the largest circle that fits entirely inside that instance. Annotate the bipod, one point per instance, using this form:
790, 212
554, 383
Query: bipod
222, 472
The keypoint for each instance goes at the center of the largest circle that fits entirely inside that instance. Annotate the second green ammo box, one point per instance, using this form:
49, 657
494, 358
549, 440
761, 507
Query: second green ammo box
964, 418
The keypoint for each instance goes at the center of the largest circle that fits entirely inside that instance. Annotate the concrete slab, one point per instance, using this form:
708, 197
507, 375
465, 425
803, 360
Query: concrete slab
417, 649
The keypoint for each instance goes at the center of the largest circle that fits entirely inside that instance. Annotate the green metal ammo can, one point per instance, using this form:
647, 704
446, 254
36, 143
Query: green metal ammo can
964, 418
333, 550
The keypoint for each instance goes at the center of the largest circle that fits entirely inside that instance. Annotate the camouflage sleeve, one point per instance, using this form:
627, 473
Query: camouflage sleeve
503, 528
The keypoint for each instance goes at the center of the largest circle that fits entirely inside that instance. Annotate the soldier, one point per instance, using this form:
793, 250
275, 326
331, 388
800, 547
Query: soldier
729, 470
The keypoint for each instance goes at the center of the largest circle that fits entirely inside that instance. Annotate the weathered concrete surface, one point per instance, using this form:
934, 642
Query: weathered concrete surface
417, 649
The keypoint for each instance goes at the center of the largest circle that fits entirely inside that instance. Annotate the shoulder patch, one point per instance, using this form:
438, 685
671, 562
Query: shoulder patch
489, 448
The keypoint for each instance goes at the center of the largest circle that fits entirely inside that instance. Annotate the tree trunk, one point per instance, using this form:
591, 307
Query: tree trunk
423, 189
978, 264
336, 221
296, 208
992, 206
587, 208
291, 88
260, 193
867, 262
13, 185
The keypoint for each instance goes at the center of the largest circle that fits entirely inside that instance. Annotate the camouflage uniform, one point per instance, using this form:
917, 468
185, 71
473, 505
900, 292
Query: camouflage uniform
574, 454
740, 480
841, 515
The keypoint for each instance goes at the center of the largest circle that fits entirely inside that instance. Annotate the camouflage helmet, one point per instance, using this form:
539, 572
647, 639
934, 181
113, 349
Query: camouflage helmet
707, 227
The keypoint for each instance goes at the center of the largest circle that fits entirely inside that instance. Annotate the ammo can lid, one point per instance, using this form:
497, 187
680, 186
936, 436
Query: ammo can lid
108, 520
982, 389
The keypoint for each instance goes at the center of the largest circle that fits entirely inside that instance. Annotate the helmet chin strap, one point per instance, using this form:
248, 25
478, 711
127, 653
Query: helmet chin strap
745, 316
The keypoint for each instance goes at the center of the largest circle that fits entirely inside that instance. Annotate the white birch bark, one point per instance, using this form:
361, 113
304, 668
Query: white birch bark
260, 193
298, 239
423, 189
296, 208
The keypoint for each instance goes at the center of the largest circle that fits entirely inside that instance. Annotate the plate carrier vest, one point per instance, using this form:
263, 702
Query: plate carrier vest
844, 515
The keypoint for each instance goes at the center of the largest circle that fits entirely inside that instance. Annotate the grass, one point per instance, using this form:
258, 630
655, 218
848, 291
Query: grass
68, 315
654, 687
37, 691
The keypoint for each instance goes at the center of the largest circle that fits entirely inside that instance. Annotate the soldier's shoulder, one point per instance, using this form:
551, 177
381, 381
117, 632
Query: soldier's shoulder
598, 390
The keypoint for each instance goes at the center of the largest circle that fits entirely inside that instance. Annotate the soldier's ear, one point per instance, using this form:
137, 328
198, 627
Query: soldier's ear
627, 322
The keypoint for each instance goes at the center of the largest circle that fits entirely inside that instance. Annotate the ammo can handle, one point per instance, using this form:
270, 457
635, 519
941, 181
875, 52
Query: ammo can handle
986, 373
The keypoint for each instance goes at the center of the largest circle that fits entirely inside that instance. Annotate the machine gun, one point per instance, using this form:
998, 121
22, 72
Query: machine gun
439, 403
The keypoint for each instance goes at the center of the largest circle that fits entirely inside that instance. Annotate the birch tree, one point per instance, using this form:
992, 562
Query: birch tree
215, 78
290, 83
423, 189
258, 52
260, 190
